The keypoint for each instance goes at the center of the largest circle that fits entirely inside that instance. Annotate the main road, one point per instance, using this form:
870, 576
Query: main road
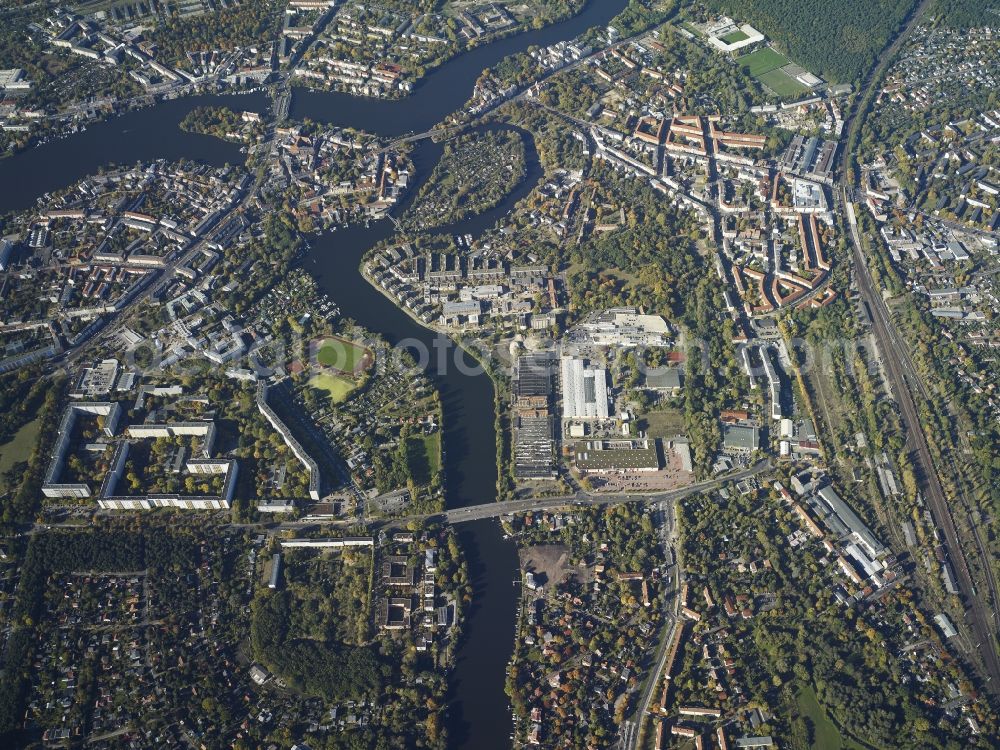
899, 369
486, 510
583, 499
166, 274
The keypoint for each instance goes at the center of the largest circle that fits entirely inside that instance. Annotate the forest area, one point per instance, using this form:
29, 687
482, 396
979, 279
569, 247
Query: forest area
837, 41
334, 671
220, 122
961, 14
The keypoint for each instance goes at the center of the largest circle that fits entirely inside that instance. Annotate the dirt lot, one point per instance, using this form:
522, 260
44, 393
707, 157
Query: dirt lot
552, 562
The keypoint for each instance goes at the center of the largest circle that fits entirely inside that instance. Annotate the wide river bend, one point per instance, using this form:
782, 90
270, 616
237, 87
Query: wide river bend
478, 712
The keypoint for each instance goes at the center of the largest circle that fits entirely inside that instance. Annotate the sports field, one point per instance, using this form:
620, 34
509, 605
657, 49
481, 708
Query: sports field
766, 66
781, 83
343, 355
763, 60
338, 387
734, 36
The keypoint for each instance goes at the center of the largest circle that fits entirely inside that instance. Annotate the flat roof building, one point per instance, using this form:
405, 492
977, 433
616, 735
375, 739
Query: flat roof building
625, 326
97, 381
602, 456
533, 375
849, 521
740, 439
947, 628
275, 571
286, 434
334, 543
110, 411
664, 379
584, 390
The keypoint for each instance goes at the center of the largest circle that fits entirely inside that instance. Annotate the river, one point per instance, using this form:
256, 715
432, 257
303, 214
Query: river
446, 88
140, 135
478, 710
478, 715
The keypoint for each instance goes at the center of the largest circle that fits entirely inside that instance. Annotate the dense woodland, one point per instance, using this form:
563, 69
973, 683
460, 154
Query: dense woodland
640, 15
838, 41
24, 398
220, 122
966, 13
272, 254
334, 671
22, 393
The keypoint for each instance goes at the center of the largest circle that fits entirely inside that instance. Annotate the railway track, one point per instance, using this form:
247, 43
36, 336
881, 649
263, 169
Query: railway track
978, 614
900, 373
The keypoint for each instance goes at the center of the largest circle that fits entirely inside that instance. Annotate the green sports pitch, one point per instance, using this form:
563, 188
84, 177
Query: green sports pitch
343, 355
734, 36
766, 66
782, 84
762, 61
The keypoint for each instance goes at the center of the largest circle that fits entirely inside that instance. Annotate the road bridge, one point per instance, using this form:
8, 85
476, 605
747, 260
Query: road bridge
585, 499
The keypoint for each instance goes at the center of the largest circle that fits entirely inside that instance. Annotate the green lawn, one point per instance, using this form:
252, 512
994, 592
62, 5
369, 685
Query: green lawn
765, 65
781, 83
734, 36
340, 354
662, 424
692, 28
763, 60
432, 445
826, 736
338, 388
423, 457
20, 446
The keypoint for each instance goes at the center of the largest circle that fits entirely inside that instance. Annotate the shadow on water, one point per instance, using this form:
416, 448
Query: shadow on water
478, 716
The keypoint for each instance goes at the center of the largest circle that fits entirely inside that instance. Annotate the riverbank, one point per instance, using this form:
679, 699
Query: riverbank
454, 51
58, 127
140, 135
478, 713
477, 717
446, 88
